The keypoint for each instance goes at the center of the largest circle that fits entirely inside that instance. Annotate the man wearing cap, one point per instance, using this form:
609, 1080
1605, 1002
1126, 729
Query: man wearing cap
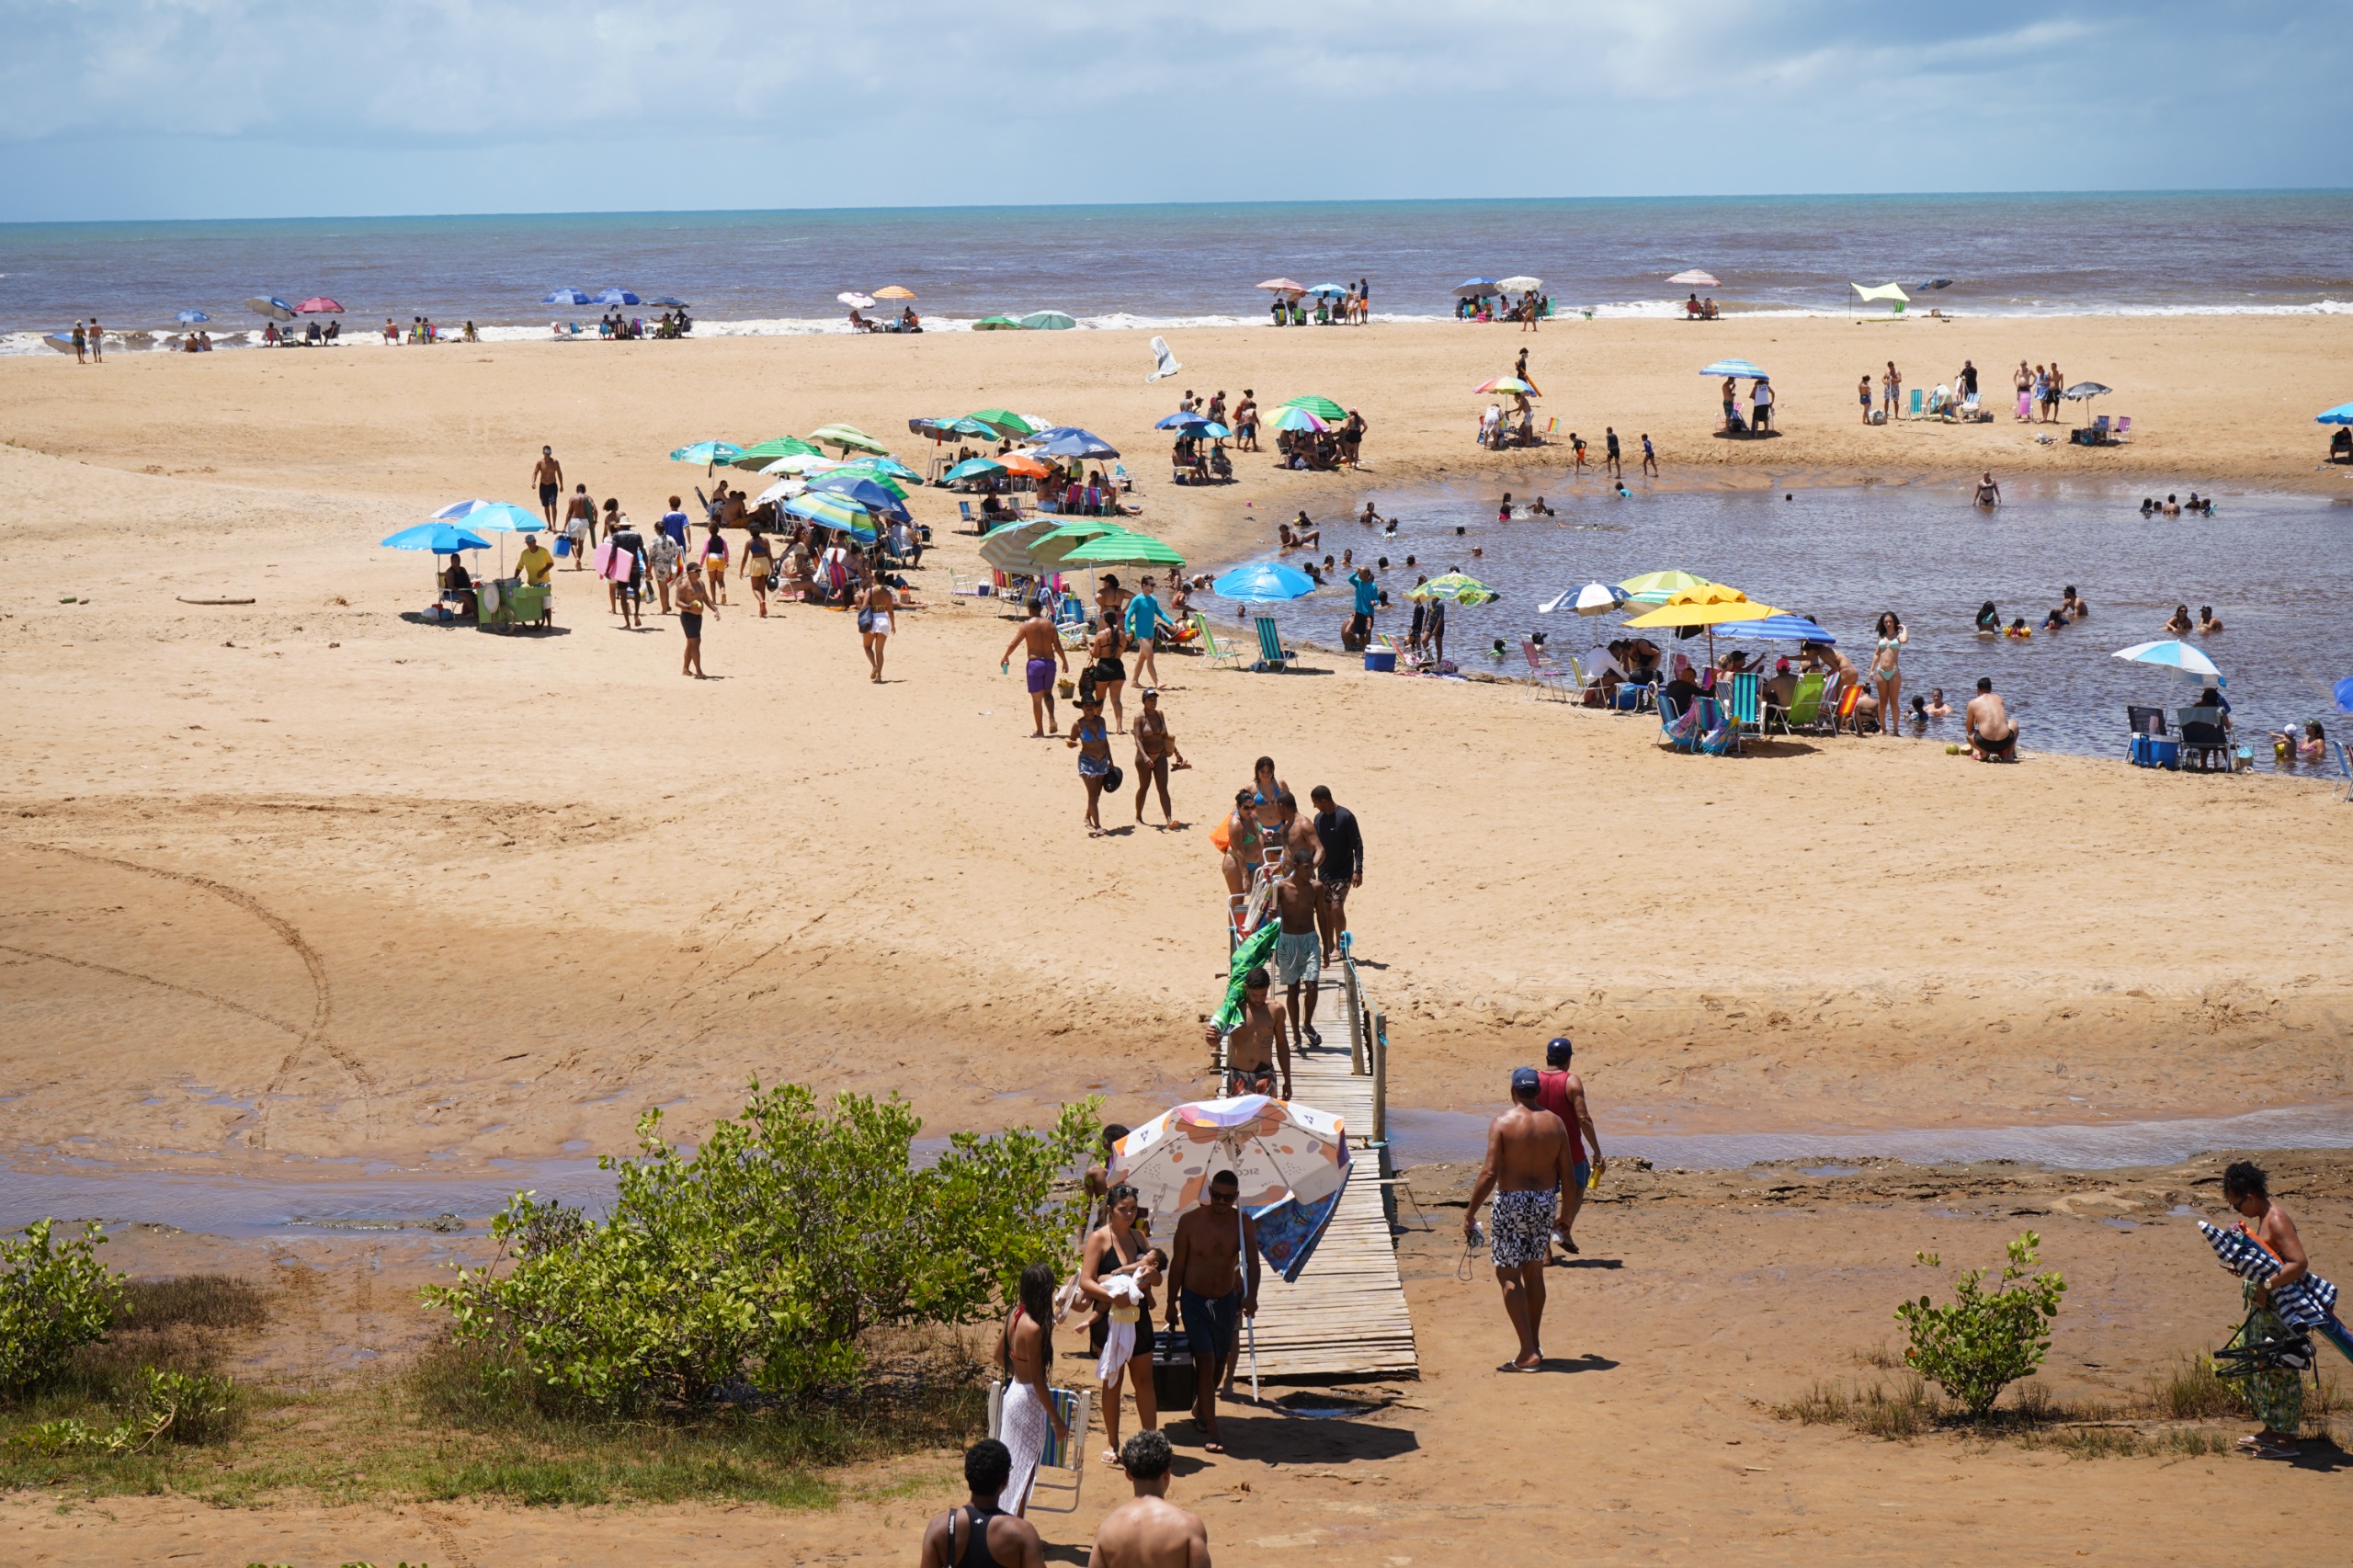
1528, 1169
547, 473
1562, 1091
535, 562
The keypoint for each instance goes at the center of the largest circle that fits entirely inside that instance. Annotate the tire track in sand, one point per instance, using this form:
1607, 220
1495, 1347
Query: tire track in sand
313, 1037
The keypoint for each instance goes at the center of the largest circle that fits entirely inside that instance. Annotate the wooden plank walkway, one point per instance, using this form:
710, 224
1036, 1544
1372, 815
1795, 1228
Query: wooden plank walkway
1345, 1316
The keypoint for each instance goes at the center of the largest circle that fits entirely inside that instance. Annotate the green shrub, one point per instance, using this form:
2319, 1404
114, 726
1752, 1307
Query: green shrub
180, 1407
55, 1297
767, 1255
1984, 1340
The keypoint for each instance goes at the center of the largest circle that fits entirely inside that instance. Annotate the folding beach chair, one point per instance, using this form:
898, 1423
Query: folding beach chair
2345, 768
1543, 671
1679, 727
1273, 657
1844, 714
2123, 430
964, 510
1915, 402
1062, 1467
1216, 655
1805, 704
1744, 702
1719, 731
1407, 660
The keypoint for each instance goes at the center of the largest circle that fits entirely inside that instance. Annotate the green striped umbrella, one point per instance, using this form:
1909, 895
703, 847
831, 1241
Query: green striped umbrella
1004, 421
1321, 408
1056, 543
848, 438
1124, 550
768, 451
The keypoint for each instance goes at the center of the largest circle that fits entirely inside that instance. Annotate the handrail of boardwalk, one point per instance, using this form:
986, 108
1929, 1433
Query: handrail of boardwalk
1345, 1316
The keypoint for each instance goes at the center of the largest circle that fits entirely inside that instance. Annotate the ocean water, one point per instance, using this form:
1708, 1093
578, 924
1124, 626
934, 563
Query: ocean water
2277, 569
1178, 264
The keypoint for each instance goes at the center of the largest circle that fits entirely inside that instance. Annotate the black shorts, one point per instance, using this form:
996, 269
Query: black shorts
1145, 1338
689, 623
548, 493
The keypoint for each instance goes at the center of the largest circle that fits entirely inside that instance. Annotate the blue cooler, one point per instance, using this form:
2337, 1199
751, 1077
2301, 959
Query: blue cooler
1382, 659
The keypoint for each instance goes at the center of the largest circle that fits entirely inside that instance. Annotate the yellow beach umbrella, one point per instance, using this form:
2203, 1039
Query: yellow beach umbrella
1709, 604
894, 292
1653, 587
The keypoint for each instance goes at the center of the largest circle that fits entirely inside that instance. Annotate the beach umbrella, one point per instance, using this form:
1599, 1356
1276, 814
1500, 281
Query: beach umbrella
1048, 320
834, 511
455, 510
1475, 287
1696, 278
1003, 421
190, 318
2341, 415
2344, 694
273, 307
497, 517
711, 454
1007, 548
887, 468
1124, 549
1275, 1149
566, 297
1025, 464
1737, 367
848, 438
1466, 591
1321, 408
894, 292
1510, 385
1709, 604
1594, 598
1052, 546
761, 453
803, 463
1214, 432
1297, 419
1332, 290
1522, 285
442, 538
782, 490
973, 468
1653, 587
1283, 285
1183, 418
666, 301
2174, 654
1264, 581
861, 489
855, 301
1781, 629
318, 305
2083, 391
616, 297
1070, 441
995, 323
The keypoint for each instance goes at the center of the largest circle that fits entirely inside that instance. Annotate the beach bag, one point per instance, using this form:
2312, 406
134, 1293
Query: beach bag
864, 620
1114, 779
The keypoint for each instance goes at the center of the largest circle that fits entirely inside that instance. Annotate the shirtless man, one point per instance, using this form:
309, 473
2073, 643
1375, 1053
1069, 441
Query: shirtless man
694, 599
1298, 833
1215, 1270
548, 474
1147, 1530
1155, 753
1562, 1091
1037, 634
1992, 734
1006, 1540
1299, 951
1255, 1044
1528, 1169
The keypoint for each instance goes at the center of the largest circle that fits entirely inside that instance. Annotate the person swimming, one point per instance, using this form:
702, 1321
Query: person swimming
2057, 621
1989, 619
1937, 708
2018, 627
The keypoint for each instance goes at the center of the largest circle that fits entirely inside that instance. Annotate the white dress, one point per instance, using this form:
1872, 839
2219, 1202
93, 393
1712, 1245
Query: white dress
1025, 1430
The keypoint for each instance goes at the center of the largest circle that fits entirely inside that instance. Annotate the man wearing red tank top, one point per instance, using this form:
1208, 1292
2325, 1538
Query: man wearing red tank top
1562, 1091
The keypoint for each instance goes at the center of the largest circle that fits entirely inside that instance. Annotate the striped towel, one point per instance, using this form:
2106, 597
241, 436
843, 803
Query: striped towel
2309, 1302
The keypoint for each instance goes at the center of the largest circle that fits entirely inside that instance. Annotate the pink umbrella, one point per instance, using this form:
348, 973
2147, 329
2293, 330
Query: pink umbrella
318, 305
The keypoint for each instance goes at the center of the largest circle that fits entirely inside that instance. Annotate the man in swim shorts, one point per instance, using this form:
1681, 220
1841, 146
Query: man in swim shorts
1562, 1091
1036, 635
1992, 734
1340, 867
1299, 951
1214, 1265
549, 477
694, 599
1528, 1169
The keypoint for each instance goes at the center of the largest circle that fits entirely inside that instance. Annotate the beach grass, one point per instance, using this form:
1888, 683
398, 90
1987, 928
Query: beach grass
2183, 1411
440, 1430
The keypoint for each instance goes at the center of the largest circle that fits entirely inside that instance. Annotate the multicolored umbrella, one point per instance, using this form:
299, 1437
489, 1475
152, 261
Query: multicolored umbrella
1735, 369
1275, 1149
1464, 590
1509, 386
1183, 418
1321, 408
849, 485
2174, 654
711, 454
271, 305
1656, 588
1298, 419
1594, 598
834, 511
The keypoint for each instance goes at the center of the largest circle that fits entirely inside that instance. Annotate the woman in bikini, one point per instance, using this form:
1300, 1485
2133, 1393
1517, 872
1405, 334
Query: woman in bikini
1156, 753
1266, 795
759, 563
1025, 1349
1886, 671
1243, 838
1094, 743
715, 564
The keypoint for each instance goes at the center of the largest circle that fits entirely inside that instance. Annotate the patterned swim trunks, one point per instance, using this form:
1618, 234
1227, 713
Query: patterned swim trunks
1523, 1227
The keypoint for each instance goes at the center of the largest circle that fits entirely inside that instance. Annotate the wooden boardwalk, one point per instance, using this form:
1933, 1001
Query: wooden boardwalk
1345, 1316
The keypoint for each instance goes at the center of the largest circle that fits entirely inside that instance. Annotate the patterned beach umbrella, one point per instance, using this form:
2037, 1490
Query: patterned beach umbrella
1462, 590
848, 438
711, 454
1298, 419
1321, 408
1509, 386
2308, 1302
2174, 654
1656, 587
1275, 1149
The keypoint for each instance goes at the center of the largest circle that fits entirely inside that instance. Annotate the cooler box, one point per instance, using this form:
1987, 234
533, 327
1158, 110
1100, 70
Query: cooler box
2155, 751
1173, 1381
1383, 660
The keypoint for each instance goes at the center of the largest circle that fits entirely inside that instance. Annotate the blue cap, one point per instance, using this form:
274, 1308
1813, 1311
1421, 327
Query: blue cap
1558, 1051
1523, 1080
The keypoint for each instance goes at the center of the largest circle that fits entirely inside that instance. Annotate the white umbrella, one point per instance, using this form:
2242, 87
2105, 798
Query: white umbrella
856, 301
803, 463
782, 490
2174, 654
1522, 285
1696, 279
1594, 598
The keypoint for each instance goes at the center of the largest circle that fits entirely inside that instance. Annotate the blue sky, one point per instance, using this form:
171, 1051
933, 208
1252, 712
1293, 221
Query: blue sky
192, 108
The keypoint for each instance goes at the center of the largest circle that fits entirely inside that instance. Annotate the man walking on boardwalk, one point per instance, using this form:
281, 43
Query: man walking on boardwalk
1527, 1170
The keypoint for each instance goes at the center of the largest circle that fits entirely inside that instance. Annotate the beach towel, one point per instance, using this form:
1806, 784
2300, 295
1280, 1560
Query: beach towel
2309, 1302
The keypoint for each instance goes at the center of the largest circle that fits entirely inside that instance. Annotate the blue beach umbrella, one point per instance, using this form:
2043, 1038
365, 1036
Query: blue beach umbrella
862, 490
191, 318
2341, 415
1332, 290
2344, 694
501, 517
1180, 420
442, 538
615, 297
1475, 287
835, 512
711, 454
456, 509
1779, 629
1265, 580
889, 467
2174, 654
1070, 441
566, 297
271, 305
973, 468
1739, 368
666, 302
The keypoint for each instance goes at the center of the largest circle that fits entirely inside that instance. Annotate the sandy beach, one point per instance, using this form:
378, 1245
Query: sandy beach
299, 880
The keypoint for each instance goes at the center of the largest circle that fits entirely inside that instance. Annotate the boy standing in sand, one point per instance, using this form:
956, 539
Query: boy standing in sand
1650, 457
1562, 1091
1037, 634
1528, 1169
1148, 1530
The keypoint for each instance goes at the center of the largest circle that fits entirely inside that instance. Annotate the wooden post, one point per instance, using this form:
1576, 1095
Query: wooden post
1357, 1022
1379, 1078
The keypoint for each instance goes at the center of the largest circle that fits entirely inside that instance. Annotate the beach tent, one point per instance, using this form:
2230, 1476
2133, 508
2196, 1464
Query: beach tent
1695, 278
1890, 293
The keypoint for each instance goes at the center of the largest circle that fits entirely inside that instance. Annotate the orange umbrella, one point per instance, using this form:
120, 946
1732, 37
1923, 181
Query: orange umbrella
1022, 464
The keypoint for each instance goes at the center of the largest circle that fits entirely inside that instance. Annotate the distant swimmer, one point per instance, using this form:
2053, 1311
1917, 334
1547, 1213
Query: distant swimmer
1988, 493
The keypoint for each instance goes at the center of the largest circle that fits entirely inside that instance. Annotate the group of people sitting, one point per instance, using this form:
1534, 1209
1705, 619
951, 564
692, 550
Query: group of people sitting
907, 321
1198, 459
314, 335
1353, 308
1530, 309
420, 330
1322, 451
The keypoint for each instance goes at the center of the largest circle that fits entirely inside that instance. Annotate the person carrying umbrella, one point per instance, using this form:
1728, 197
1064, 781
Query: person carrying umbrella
1214, 1266
2285, 1300
1528, 1169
